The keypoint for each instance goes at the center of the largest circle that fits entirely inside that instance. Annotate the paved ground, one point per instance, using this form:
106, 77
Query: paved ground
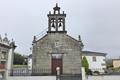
115, 73
75, 77
0, 77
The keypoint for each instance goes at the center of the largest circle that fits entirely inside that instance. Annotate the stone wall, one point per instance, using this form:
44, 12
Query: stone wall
57, 43
33, 78
104, 77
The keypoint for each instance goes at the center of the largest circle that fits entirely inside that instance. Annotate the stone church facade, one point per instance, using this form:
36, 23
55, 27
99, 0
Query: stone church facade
56, 48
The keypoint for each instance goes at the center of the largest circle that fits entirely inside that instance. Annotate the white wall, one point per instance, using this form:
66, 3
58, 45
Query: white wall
96, 66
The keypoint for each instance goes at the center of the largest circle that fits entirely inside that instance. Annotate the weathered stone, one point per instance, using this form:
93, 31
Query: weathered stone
57, 44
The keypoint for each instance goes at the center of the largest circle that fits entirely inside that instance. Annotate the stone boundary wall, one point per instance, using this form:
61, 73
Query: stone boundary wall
104, 77
32, 78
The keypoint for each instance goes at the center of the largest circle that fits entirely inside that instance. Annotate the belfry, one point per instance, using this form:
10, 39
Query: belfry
56, 20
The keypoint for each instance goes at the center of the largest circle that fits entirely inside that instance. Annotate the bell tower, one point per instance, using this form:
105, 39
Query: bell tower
56, 21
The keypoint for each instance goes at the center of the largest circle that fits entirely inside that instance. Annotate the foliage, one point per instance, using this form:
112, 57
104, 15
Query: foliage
19, 66
116, 69
85, 64
18, 59
109, 66
97, 72
89, 72
109, 63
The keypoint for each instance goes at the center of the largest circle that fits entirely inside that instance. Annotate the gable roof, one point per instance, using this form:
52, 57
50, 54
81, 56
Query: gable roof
66, 35
91, 53
116, 59
30, 56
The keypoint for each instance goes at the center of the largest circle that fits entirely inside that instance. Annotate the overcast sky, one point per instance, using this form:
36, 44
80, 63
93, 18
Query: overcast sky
97, 21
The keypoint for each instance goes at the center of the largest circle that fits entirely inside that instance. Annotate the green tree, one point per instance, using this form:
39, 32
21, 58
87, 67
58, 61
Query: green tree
18, 59
85, 64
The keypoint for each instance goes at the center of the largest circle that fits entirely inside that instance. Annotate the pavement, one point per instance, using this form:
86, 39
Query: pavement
114, 73
70, 77
0, 77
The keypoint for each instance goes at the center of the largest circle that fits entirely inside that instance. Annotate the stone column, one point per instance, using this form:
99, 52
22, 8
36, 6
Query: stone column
58, 73
10, 60
83, 74
3, 75
63, 24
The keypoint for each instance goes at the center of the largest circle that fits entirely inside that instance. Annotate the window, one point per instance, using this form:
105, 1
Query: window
103, 64
94, 59
57, 44
104, 59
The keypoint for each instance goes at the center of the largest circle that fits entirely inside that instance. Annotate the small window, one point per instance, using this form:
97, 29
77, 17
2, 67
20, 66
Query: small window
94, 59
103, 64
104, 59
57, 44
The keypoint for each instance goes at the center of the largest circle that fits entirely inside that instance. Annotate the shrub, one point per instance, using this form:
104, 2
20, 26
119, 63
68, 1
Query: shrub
85, 64
89, 72
97, 72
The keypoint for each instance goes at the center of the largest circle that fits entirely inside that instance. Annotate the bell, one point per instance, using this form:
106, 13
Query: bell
53, 25
60, 24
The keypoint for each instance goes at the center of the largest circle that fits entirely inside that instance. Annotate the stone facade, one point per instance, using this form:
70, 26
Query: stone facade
4, 50
59, 45
5, 47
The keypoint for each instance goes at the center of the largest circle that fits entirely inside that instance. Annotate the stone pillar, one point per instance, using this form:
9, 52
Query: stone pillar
83, 74
56, 24
3, 75
58, 73
63, 24
10, 60
49, 24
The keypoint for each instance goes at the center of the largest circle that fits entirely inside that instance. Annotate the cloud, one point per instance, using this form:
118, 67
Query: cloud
97, 21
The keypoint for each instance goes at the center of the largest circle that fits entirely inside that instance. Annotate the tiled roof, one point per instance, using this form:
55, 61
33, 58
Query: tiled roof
91, 53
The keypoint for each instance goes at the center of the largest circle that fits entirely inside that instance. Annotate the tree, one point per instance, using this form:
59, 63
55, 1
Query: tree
85, 64
18, 59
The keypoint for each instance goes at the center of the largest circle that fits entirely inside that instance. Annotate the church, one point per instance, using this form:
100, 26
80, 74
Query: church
56, 48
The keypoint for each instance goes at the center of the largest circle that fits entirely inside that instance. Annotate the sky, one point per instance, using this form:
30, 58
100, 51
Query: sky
97, 21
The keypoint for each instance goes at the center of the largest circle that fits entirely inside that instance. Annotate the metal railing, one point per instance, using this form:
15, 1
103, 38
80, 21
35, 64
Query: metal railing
27, 72
40, 72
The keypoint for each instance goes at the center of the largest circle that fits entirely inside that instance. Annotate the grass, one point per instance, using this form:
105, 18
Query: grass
19, 66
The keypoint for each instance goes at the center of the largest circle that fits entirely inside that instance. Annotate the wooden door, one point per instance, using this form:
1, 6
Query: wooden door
56, 63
